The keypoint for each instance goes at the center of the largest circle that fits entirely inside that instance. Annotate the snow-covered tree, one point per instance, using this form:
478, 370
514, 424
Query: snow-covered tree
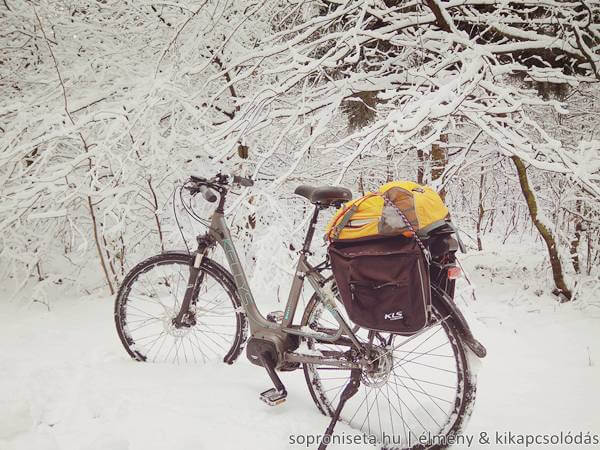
106, 105
412, 75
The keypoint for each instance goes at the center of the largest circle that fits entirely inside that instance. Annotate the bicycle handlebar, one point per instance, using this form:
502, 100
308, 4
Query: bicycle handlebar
207, 187
223, 180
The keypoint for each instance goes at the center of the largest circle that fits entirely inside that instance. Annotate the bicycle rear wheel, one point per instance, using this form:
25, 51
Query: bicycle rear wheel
150, 298
420, 392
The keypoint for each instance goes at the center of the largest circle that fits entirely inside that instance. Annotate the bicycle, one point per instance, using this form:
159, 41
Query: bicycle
412, 386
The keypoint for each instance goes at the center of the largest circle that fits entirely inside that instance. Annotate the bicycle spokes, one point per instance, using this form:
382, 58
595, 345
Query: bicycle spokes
154, 326
412, 387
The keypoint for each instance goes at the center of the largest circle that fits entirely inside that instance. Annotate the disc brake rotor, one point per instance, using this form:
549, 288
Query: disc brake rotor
378, 373
170, 327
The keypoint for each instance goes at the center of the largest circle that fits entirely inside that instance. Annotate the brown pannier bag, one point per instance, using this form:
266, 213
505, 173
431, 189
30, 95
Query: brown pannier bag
383, 283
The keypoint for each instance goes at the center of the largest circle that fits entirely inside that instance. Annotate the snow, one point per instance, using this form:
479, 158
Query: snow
391, 217
303, 347
68, 385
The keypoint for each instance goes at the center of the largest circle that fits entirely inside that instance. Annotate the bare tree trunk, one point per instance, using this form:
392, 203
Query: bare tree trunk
109, 258
421, 167
480, 211
390, 158
576, 240
157, 220
122, 255
575, 248
545, 233
439, 160
591, 255
98, 247
361, 185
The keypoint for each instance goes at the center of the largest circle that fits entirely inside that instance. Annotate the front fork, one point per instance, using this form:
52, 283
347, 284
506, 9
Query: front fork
186, 317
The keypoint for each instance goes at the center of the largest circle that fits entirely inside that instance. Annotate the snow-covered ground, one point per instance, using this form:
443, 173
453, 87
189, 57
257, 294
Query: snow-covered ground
67, 384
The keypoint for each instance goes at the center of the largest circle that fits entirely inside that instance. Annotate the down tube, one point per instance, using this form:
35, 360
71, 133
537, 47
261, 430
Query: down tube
241, 282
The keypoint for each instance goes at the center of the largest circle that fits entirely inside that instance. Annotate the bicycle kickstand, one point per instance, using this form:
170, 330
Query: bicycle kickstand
350, 389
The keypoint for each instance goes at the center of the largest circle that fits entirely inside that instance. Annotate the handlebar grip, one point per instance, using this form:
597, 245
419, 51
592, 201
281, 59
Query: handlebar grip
243, 181
208, 194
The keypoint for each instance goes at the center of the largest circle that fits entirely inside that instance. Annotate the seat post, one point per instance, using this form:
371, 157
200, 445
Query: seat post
311, 229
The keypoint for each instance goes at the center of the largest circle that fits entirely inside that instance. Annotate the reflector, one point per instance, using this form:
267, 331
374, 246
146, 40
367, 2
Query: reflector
454, 272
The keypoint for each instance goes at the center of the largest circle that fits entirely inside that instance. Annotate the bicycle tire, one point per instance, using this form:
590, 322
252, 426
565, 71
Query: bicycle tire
203, 341
459, 405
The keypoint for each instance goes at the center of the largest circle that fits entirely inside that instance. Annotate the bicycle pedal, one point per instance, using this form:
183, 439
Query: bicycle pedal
273, 397
275, 316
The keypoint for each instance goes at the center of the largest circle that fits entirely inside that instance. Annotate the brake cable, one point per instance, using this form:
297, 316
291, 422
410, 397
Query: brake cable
177, 219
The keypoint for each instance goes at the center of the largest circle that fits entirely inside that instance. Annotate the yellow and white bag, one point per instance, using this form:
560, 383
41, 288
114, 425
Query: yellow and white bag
375, 213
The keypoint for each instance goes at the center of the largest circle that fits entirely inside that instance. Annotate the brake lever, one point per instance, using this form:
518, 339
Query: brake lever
193, 190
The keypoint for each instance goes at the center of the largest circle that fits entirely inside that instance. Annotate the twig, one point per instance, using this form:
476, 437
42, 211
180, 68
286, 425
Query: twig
89, 104
160, 235
218, 62
86, 149
441, 21
585, 50
177, 35
98, 248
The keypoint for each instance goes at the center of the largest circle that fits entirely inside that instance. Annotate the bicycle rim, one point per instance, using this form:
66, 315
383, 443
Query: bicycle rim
421, 393
150, 298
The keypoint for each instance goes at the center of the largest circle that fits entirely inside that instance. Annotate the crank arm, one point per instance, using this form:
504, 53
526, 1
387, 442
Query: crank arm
322, 360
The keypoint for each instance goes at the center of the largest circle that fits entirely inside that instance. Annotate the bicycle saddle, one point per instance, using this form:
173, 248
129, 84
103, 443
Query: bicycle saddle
324, 195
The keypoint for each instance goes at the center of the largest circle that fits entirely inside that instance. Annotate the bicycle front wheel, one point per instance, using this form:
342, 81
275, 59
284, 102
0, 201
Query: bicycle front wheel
150, 298
420, 391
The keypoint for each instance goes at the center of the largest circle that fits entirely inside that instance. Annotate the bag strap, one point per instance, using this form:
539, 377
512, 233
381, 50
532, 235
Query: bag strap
346, 215
340, 224
391, 204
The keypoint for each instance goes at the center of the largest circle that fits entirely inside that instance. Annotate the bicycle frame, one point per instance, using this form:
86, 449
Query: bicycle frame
259, 325
273, 343
261, 328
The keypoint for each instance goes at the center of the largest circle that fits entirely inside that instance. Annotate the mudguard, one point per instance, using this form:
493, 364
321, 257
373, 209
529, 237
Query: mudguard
230, 358
446, 306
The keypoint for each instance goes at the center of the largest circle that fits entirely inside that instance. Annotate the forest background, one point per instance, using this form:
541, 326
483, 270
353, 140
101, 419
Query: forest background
106, 106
